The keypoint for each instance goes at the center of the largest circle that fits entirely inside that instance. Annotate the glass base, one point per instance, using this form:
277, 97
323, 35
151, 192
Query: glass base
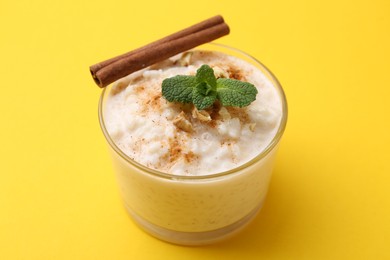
194, 238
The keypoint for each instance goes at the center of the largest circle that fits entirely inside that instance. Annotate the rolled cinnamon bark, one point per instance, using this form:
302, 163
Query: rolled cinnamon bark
111, 70
192, 29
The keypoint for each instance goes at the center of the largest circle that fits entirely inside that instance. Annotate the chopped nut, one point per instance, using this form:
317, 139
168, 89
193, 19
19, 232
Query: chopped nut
224, 113
252, 126
220, 73
161, 65
185, 59
182, 122
202, 115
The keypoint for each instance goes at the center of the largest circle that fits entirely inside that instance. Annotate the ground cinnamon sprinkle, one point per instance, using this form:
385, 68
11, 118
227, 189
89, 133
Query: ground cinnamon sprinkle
235, 74
139, 89
190, 157
175, 149
154, 103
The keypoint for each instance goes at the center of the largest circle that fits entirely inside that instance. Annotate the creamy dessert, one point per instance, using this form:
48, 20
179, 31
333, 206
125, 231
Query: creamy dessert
179, 139
192, 176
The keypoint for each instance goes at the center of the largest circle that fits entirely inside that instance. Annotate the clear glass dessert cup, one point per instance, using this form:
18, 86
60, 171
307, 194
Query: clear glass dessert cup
196, 210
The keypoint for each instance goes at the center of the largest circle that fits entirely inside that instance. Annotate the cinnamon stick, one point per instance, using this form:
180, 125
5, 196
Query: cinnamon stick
110, 70
192, 29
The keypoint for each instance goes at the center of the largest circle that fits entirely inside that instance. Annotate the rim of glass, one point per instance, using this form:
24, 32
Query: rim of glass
267, 150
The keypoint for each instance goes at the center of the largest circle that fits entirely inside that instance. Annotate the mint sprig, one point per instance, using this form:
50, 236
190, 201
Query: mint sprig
204, 89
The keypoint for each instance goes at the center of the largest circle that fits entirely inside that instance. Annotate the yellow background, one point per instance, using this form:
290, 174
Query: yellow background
330, 193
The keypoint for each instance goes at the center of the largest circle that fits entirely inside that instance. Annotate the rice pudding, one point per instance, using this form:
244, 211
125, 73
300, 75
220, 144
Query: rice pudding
188, 176
178, 139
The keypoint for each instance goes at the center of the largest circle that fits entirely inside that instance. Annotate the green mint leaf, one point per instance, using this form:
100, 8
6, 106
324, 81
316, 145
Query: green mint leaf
203, 96
206, 74
179, 88
232, 92
204, 89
